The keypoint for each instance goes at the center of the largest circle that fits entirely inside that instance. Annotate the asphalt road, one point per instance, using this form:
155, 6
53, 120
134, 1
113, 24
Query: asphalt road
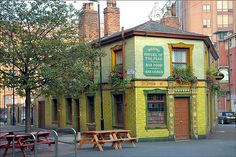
222, 143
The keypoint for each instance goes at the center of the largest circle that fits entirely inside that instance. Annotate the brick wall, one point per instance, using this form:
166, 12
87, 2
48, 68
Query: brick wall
170, 21
111, 20
88, 25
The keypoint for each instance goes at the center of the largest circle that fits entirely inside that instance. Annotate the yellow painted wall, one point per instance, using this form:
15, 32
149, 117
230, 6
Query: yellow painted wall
141, 132
201, 111
198, 55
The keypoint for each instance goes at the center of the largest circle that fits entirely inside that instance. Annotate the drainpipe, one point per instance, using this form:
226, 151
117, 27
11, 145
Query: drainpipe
124, 73
229, 72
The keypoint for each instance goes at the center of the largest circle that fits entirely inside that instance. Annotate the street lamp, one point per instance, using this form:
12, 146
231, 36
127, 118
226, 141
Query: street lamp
100, 64
13, 95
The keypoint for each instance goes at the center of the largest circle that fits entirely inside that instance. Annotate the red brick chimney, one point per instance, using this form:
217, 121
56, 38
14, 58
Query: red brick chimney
111, 18
88, 24
170, 20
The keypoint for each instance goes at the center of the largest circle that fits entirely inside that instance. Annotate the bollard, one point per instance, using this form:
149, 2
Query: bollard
55, 135
75, 136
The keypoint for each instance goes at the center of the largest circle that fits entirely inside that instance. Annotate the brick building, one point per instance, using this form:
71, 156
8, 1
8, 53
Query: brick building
227, 62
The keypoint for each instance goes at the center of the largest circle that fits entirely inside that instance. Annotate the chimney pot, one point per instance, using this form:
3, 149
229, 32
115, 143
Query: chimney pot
88, 6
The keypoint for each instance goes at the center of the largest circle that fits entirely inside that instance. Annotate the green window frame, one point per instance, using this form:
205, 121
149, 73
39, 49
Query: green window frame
156, 110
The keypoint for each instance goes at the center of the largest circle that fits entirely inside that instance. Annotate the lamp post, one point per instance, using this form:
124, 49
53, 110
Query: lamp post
100, 64
4, 103
13, 96
229, 72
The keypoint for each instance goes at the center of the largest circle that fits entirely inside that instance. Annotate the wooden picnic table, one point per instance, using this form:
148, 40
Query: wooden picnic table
23, 141
99, 138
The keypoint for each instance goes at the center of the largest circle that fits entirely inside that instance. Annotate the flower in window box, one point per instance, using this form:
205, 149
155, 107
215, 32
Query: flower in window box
184, 75
116, 77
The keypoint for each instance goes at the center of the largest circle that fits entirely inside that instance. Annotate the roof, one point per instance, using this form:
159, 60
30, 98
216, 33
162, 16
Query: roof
155, 29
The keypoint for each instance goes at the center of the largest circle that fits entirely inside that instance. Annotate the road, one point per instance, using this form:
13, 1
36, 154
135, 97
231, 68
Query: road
222, 143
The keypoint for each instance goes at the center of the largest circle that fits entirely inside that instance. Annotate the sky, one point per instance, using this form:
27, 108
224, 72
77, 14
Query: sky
132, 13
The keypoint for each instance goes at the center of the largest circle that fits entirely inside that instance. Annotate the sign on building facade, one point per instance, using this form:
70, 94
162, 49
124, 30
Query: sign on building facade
153, 61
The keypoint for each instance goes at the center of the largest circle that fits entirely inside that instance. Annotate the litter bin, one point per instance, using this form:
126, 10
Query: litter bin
91, 126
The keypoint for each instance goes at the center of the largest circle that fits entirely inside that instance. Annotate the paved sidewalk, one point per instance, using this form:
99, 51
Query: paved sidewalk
222, 143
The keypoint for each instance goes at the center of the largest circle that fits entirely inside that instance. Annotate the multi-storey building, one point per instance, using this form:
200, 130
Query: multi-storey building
216, 19
207, 16
227, 60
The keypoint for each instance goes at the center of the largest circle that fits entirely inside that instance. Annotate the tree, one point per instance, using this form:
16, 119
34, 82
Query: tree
38, 38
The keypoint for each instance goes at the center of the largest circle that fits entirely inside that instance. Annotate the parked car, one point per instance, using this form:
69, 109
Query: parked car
226, 117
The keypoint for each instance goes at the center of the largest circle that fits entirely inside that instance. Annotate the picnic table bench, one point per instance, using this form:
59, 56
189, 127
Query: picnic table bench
99, 138
23, 141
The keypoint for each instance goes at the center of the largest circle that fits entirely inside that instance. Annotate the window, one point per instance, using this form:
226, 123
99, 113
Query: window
219, 21
69, 110
180, 58
180, 55
224, 5
118, 110
224, 20
206, 23
90, 110
54, 110
117, 56
156, 109
8, 99
206, 8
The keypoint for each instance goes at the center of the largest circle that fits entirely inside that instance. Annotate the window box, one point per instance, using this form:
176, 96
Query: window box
183, 76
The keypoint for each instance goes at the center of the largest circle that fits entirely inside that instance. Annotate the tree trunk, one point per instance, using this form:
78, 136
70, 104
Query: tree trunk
27, 111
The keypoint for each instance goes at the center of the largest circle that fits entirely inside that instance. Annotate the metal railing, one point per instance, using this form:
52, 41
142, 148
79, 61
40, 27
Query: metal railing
65, 130
55, 135
35, 143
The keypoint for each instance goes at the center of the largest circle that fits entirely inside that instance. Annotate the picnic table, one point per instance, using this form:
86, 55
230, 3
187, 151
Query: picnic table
99, 138
23, 141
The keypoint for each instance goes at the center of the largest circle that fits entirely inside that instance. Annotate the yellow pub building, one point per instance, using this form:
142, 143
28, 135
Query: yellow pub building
141, 89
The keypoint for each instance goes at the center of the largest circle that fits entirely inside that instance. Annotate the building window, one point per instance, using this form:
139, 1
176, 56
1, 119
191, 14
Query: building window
206, 23
180, 58
224, 5
224, 20
69, 110
206, 8
118, 111
156, 109
54, 110
90, 109
117, 56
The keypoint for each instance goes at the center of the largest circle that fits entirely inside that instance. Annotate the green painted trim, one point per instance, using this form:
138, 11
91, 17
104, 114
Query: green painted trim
190, 112
156, 139
155, 91
156, 127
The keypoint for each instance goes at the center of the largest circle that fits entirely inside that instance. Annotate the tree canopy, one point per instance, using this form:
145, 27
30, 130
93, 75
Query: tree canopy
38, 39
